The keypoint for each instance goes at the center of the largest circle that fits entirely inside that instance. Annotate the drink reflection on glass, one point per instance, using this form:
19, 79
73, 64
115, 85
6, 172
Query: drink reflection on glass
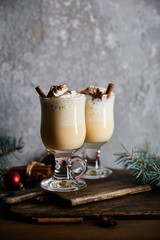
63, 132
99, 116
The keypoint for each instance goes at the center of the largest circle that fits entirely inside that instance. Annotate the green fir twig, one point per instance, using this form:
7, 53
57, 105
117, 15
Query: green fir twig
9, 147
144, 163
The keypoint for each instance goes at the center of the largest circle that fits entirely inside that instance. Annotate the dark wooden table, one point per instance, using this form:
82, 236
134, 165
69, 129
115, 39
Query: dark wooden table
129, 227
126, 229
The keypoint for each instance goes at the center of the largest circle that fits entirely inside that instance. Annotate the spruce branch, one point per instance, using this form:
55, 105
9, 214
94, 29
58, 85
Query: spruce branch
144, 163
9, 146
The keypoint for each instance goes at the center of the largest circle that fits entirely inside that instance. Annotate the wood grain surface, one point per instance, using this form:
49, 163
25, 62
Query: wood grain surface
138, 217
126, 229
121, 183
142, 206
145, 205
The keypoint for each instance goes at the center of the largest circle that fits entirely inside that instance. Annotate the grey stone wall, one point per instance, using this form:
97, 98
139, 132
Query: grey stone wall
81, 42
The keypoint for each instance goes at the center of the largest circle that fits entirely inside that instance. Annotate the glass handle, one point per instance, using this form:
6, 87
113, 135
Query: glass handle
80, 171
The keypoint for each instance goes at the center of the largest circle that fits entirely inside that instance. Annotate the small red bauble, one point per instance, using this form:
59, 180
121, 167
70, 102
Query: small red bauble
12, 180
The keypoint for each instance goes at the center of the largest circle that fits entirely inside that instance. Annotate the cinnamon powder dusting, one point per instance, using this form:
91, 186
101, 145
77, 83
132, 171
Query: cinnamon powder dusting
96, 92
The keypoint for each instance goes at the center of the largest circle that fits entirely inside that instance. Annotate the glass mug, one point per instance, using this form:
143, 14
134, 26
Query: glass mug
63, 132
99, 116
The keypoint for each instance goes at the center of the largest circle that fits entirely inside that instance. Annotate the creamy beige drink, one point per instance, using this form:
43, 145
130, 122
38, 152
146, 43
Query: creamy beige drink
63, 132
99, 118
63, 121
99, 127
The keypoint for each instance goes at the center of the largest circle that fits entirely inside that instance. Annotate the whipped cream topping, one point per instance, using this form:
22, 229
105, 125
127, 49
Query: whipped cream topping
62, 91
98, 92
92, 89
95, 92
72, 94
58, 91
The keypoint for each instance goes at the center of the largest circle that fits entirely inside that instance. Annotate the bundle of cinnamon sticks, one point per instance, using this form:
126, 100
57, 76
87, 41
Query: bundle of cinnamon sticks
38, 172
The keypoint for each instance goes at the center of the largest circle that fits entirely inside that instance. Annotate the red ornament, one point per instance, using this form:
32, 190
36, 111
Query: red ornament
12, 180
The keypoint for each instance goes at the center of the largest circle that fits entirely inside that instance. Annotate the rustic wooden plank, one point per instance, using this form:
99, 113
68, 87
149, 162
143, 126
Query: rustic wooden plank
20, 196
142, 206
104, 195
121, 183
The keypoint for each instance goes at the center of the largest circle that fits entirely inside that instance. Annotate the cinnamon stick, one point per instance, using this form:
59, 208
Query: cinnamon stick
58, 220
22, 169
40, 92
38, 171
109, 90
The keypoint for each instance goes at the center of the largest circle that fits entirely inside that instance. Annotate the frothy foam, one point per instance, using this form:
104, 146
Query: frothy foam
92, 90
58, 90
95, 92
98, 109
72, 94
63, 107
61, 91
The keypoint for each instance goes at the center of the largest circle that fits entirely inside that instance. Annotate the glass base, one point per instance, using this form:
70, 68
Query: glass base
56, 185
97, 173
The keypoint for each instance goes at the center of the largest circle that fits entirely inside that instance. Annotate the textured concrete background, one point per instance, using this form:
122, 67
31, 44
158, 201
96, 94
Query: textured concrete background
81, 42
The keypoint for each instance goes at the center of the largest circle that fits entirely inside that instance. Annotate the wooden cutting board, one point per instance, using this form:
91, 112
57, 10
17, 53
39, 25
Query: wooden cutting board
140, 206
121, 183
107, 197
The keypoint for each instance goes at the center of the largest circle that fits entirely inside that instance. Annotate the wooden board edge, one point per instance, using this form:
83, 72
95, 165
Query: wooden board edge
110, 195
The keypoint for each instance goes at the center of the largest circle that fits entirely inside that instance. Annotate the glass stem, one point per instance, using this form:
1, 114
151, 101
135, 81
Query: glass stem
93, 157
62, 168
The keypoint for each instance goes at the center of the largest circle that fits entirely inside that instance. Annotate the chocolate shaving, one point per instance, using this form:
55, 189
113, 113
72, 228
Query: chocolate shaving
95, 92
68, 92
55, 89
88, 90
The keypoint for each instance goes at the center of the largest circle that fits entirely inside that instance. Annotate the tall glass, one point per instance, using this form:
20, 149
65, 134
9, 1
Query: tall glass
63, 132
99, 129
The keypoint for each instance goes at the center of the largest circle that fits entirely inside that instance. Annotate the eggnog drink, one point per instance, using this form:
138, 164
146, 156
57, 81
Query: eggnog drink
98, 114
63, 122
63, 132
99, 127
99, 119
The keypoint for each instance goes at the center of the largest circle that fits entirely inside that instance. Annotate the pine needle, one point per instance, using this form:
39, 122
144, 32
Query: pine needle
144, 163
9, 147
